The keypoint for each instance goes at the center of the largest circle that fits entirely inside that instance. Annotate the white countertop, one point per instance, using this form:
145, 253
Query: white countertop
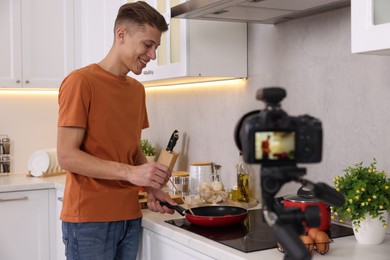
20, 181
342, 248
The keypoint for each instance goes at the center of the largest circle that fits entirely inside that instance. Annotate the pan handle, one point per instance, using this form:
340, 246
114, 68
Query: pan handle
178, 208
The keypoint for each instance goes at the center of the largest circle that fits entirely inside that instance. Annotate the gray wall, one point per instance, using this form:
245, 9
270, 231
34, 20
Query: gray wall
310, 57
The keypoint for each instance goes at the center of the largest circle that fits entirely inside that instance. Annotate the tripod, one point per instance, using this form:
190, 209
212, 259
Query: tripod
287, 223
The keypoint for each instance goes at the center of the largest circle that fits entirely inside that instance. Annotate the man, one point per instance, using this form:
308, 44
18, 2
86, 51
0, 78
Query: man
265, 147
101, 115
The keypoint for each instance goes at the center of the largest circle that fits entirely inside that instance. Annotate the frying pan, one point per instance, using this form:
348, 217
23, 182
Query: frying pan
212, 216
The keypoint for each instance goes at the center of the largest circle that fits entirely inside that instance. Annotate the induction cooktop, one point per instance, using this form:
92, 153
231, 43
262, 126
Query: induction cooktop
251, 235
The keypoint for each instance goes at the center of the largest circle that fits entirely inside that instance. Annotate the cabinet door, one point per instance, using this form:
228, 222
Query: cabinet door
24, 225
150, 72
60, 249
47, 42
370, 24
37, 46
172, 48
10, 44
155, 246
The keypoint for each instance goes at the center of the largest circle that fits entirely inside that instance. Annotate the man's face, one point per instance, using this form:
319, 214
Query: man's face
138, 47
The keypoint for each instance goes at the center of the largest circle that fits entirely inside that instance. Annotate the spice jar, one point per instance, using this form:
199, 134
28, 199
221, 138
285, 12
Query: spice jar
6, 144
6, 164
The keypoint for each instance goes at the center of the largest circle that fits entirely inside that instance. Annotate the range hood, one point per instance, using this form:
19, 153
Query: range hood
254, 11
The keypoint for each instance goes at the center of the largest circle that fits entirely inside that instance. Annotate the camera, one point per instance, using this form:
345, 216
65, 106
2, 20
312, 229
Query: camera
272, 137
278, 142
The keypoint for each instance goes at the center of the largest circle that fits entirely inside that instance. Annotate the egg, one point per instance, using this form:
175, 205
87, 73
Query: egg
308, 242
312, 232
322, 242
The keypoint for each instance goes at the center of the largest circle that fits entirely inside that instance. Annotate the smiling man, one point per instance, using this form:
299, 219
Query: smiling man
101, 115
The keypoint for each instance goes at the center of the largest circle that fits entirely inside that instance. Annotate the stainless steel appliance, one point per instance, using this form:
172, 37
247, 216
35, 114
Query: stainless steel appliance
254, 11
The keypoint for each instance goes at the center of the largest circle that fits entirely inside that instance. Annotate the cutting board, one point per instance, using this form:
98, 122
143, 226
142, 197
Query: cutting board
168, 158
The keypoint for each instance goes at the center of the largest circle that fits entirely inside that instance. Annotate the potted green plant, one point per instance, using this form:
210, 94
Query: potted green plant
148, 150
367, 200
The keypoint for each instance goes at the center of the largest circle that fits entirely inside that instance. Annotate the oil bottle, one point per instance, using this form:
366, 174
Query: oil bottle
243, 193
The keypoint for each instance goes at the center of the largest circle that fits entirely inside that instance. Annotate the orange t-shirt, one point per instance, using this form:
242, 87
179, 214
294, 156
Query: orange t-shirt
112, 111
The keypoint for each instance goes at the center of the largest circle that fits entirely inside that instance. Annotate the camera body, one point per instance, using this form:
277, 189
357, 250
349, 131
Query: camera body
272, 137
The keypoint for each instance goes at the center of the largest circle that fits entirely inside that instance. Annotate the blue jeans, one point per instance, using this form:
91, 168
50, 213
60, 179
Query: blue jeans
101, 240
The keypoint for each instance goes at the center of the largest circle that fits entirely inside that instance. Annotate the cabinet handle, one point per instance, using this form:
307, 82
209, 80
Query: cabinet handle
148, 72
14, 199
18, 81
60, 199
27, 81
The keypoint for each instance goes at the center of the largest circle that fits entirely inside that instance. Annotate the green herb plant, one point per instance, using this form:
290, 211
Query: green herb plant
147, 148
366, 190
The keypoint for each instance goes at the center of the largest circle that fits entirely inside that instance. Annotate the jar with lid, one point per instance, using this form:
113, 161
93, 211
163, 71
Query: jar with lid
6, 145
6, 164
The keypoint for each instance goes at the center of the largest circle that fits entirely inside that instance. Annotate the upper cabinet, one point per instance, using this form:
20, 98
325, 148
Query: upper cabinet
190, 51
44, 40
37, 46
370, 24
196, 51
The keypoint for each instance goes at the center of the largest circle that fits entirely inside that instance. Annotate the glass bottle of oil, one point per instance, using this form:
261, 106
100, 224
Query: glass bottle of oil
242, 181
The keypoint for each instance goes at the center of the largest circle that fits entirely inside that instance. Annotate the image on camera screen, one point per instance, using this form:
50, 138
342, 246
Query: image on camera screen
274, 145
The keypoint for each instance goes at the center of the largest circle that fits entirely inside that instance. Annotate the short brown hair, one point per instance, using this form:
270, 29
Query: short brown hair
141, 13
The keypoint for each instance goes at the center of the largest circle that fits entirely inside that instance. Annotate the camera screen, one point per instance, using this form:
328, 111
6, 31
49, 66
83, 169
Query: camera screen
274, 145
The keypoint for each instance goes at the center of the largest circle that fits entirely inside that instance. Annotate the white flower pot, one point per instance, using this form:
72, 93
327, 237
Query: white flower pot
371, 230
150, 158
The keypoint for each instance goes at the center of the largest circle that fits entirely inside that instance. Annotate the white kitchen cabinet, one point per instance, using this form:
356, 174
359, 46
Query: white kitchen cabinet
196, 51
37, 46
60, 247
370, 25
155, 246
25, 219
